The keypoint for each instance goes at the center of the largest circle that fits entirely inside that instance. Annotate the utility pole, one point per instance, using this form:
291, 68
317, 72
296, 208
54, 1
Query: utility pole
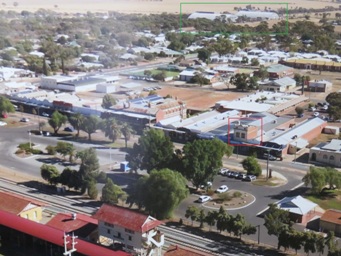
267, 165
73, 243
29, 136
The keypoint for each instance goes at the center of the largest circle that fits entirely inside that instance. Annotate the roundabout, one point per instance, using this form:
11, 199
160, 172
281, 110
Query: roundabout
231, 200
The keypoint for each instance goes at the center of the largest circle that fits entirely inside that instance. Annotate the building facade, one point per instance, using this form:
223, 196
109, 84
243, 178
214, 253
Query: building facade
327, 153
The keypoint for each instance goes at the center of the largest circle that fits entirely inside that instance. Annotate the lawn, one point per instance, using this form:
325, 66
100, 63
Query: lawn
156, 71
329, 199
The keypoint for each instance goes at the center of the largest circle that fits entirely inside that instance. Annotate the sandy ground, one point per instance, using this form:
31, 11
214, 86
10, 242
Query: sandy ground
147, 6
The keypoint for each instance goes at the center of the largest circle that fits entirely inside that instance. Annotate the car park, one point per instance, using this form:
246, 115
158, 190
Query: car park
25, 120
222, 189
203, 199
250, 178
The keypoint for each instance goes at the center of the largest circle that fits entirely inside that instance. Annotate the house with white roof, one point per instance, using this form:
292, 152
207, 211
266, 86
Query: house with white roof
300, 210
319, 85
258, 15
278, 85
328, 153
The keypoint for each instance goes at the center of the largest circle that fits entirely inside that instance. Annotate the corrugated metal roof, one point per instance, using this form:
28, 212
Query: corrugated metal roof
298, 131
334, 145
53, 235
297, 205
126, 218
332, 216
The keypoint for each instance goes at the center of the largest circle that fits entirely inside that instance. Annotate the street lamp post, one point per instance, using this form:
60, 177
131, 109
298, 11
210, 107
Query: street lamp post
295, 151
267, 165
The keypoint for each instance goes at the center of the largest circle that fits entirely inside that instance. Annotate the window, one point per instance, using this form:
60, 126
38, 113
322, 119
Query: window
35, 215
331, 158
325, 157
243, 135
118, 234
108, 231
129, 231
238, 135
108, 224
129, 238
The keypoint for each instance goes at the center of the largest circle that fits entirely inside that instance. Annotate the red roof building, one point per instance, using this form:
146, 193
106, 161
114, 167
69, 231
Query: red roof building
331, 221
81, 225
136, 231
175, 250
51, 235
22, 206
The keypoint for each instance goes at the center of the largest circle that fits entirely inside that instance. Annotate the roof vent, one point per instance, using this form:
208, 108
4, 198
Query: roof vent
74, 216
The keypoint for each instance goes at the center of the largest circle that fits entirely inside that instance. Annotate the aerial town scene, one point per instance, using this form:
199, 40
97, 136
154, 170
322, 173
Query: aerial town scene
165, 127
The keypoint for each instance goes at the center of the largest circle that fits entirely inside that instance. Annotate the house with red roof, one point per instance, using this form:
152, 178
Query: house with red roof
331, 221
21, 206
80, 225
137, 232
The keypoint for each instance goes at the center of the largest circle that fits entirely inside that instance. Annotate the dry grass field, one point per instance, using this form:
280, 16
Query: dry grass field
148, 6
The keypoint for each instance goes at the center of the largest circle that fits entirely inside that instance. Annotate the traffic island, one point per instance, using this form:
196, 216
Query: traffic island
231, 200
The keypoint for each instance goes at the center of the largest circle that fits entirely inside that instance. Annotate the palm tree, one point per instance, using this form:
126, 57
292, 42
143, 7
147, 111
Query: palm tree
126, 131
111, 129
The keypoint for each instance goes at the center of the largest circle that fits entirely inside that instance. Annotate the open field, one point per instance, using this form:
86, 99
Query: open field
329, 199
145, 6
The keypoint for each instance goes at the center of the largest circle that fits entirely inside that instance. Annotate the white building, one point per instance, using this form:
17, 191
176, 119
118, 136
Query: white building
258, 15
327, 153
137, 232
319, 85
213, 16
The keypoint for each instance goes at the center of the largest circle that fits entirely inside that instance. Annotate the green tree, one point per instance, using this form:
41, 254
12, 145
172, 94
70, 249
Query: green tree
111, 129
49, 173
127, 132
153, 151
262, 72
56, 121
222, 219
310, 241
334, 100
65, 148
108, 101
276, 220
316, 178
6, 106
192, 212
163, 192
200, 79
90, 125
240, 81
251, 165
254, 62
76, 120
204, 54
92, 189
211, 218
299, 110
202, 160
46, 70
202, 218
89, 167
223, 46
330, 242
111, 193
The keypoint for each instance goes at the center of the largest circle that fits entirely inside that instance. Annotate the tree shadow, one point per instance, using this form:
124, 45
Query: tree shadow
289, 193
303, 158
225, 244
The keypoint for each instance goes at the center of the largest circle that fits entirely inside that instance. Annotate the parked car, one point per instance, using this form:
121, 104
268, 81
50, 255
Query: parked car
312, 109
222, 189
241, 176
233, 174
203, 199
319, 104
208, 185
223, 171
300, 116
325, 107
68, 129
25, 120
316, 114
250, 178
271, 157
45, 114
46, 133
2, 123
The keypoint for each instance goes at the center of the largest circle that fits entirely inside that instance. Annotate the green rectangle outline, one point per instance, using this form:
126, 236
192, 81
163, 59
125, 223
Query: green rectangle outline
287, 15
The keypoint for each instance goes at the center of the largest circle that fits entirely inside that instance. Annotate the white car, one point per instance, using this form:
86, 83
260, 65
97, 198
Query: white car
2, 123
316, 114
222, 189
223, 171
208, 185
45, 114
203, 199
25, 120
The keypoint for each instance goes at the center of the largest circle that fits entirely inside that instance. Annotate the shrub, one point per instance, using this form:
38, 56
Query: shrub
237, 194
25, 146
36, 151
210, 192
224, 197
51, 150
101, 177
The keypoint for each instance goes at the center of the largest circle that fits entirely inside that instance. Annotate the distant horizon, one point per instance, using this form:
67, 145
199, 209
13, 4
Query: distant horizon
144, 6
